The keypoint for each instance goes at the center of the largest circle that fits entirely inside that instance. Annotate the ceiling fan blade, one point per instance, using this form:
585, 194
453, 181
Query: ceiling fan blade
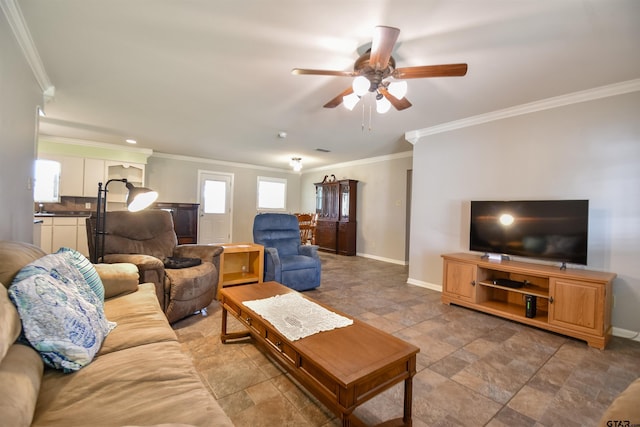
444, 70
303, 71
338, 99
399, 104
384, 38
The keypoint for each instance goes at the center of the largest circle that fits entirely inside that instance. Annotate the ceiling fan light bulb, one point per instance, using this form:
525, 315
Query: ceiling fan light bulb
360, 85
398, 89
382, 105
350, 101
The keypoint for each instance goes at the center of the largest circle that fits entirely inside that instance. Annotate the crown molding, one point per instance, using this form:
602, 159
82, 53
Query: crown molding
23, 36
532, 107
366, 161
94, 144
220, 162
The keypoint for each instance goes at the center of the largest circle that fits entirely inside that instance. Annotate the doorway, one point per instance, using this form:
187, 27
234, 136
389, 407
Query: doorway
214, 196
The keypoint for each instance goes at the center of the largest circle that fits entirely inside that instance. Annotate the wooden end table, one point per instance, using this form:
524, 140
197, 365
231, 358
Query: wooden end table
343, 367
241, 263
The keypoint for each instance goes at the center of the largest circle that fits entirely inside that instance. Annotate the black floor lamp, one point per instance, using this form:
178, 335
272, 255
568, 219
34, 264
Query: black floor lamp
139, 198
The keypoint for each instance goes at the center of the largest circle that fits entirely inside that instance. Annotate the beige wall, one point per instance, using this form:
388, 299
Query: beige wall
381, 206
20, 96
176, 180
589, 150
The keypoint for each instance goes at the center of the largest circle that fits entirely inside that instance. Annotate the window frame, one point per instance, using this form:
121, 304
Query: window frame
267, 179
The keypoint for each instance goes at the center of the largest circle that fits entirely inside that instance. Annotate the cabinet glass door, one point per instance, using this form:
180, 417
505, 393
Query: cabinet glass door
319, 199
344, 202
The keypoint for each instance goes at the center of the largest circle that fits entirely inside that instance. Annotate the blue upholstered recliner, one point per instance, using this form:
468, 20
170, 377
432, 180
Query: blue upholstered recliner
285, 260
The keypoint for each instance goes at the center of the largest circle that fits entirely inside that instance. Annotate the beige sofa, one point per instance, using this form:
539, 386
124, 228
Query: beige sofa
624, 411
139, 377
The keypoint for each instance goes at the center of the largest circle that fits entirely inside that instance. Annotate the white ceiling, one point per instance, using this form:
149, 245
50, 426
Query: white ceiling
211, 78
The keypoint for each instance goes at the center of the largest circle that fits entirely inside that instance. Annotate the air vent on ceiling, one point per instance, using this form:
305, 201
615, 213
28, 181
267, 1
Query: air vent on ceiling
323, 150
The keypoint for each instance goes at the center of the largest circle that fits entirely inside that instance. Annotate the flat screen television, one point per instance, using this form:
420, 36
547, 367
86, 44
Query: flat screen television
554, 230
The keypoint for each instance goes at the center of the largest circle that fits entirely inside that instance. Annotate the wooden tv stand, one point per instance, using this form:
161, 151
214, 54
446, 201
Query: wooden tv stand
571, 302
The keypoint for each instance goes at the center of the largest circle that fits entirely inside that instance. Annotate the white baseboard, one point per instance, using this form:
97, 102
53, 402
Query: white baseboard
379, 258
625, 333
422, 284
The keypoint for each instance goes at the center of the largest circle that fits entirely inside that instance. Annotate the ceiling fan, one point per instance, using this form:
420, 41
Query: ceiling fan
375, 71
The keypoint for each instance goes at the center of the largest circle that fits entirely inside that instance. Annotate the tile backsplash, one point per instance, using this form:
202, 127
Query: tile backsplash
68, 204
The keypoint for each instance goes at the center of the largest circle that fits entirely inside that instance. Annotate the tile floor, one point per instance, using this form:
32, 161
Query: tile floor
473, 369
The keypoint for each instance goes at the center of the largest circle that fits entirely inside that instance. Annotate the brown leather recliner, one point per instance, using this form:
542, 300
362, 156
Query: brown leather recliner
146, 239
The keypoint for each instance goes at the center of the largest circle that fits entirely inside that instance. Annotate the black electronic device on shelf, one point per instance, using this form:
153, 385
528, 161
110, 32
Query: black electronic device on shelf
508, 283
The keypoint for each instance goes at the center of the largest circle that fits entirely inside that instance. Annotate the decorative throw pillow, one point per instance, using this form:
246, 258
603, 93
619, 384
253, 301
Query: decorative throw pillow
62, 317
86, 269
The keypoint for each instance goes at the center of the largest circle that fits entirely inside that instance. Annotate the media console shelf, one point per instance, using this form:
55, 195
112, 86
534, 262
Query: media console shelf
575, 303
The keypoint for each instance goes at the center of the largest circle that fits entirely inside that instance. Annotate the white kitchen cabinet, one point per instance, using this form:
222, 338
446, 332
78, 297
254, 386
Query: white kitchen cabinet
132, 172
93, 174
46, 234
70, 232
65, 233
71, 173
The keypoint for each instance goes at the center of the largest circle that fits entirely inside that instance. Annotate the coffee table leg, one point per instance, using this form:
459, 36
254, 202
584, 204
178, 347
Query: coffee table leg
408, 398
223, 332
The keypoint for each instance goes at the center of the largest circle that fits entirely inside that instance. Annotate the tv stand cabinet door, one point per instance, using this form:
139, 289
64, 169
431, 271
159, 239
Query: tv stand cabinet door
577, 305
459, 282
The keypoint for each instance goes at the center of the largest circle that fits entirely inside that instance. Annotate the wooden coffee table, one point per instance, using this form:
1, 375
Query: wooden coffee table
343, 367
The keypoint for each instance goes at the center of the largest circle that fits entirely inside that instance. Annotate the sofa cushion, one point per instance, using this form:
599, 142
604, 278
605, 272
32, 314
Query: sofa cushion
118, 279
20, 378
140, 320
9, 323
87, 270
149, 384
61, 316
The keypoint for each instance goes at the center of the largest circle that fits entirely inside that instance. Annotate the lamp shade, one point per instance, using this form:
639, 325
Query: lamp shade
382, 105
398, 89
139, 198
350, 101
361, 85
296, 164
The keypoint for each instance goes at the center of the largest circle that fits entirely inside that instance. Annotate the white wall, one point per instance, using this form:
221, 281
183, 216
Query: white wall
20, 96
589, 150
382, 202
175, 178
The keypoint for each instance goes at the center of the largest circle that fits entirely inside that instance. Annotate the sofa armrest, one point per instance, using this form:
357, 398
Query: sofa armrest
150, 268
118, 279
207, 253
624, 410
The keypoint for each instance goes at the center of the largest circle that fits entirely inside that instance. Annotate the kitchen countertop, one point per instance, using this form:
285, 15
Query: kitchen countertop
62, 214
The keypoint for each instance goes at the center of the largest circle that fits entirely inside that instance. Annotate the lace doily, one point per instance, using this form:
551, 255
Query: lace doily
296, 317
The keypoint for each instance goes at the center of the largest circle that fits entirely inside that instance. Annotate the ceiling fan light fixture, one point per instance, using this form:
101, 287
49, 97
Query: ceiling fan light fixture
382, 105
361, 85
350, 101
398, 89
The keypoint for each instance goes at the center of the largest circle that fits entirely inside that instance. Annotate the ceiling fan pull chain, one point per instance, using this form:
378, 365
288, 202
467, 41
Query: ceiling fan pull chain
362, 124
370, 115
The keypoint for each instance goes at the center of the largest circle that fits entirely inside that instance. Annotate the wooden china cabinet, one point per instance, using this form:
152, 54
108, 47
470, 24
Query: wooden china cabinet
185, 220
336, 209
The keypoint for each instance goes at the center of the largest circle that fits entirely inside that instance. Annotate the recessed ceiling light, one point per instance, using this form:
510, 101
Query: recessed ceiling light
131, 141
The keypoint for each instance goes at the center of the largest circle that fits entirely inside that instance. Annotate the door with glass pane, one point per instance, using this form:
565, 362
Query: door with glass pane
215, 207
